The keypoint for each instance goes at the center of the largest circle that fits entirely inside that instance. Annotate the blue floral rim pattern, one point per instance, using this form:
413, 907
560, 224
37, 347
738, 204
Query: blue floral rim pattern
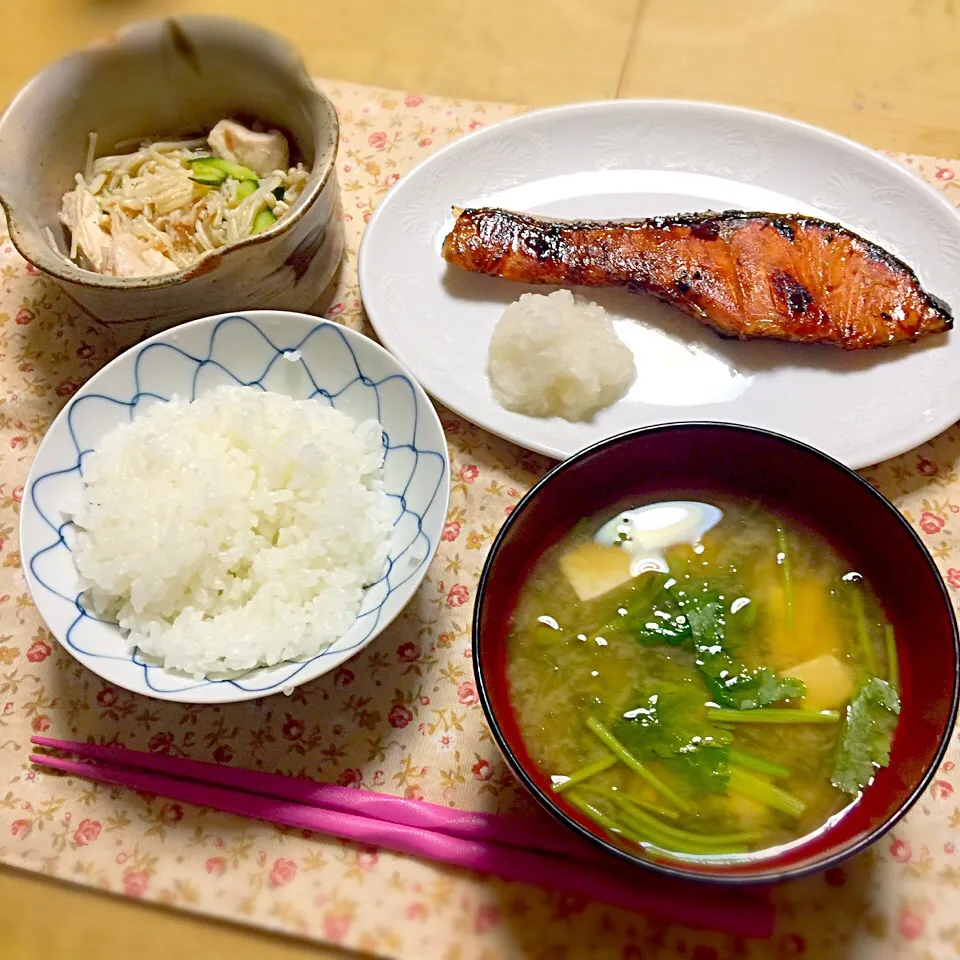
415, 473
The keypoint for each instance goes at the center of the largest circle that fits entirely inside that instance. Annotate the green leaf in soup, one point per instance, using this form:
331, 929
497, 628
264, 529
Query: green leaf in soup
671, 724
665, 622
867, 736
751, 689
731, 683
664, 619
649, 612
701, 612
706, 769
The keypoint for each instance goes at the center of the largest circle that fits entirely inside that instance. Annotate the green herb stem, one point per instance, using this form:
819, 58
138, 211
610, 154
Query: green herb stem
784, 560
629, 807
584, 773
637, 833
863, 633
650, 830
647, 834
772, 715
653, 808
742, 781
893, 663
751, 762
622, 753
576, 799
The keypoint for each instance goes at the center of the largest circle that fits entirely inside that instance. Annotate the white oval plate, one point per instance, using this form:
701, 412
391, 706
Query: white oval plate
301, 356
640, 158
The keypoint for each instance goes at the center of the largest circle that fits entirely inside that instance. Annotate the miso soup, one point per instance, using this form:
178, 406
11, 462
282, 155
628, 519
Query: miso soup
702, 679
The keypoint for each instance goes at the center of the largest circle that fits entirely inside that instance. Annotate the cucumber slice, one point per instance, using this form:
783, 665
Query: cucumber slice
263, 219
234, 170
246, 188
206, 174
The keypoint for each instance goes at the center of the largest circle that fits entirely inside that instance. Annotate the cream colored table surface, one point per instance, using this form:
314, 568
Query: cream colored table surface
883, 71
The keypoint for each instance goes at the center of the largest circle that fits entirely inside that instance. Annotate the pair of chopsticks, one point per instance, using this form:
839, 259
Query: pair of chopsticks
509, 847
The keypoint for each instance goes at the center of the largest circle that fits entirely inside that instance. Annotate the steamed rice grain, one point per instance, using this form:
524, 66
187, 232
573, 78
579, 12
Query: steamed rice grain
235, 531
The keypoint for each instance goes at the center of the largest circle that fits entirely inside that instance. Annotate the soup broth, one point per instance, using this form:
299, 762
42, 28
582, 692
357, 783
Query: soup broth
702, 679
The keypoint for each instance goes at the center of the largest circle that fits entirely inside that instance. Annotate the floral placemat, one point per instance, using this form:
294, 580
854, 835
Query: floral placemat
403, 717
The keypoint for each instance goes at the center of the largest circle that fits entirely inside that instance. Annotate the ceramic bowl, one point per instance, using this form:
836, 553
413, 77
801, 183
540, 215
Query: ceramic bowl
697, 460
168, 77
335, 366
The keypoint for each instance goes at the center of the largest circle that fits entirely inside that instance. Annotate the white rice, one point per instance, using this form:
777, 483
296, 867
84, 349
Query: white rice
558, 356
235, 531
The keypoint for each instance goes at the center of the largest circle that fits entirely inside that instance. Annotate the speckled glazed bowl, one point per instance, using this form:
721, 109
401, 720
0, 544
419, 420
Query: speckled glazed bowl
167, 78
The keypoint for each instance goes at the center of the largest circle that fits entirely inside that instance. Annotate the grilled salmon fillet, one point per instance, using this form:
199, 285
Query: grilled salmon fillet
786, 277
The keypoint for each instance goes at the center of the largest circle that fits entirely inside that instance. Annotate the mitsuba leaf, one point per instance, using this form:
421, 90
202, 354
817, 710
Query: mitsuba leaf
706, 769
671, 725
732, 684
654, 614
699, 613
867, 735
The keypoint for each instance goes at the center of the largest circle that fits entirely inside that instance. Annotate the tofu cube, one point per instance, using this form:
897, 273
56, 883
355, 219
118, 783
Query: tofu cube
829, 682
594, 569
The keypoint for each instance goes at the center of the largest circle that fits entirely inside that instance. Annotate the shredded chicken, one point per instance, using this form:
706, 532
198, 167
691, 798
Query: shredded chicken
142, 214
261, 152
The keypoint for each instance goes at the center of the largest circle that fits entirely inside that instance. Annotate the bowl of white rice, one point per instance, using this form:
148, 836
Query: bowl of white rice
234, 507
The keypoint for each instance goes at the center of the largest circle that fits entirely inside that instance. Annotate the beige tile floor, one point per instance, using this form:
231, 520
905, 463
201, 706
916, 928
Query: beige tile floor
883, 71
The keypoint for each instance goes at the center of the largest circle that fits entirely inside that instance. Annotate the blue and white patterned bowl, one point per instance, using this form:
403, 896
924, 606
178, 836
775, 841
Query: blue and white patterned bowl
335, 366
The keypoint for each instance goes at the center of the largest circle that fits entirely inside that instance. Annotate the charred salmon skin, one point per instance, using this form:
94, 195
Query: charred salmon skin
780, 276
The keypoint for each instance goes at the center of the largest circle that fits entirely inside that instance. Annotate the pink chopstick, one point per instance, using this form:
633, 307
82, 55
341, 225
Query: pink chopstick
729, 912
492, 828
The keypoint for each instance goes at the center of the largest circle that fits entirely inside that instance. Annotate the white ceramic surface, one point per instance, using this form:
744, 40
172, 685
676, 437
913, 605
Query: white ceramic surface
623, 159
332, 364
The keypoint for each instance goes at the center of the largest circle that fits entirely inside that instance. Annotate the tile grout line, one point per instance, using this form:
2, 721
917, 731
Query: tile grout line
631, 39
